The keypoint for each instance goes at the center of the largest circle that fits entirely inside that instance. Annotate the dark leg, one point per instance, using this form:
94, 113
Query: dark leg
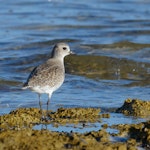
48, 103
40, 103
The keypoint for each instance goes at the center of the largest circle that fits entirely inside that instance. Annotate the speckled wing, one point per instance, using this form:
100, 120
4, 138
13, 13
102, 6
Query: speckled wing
33, 72
48, 74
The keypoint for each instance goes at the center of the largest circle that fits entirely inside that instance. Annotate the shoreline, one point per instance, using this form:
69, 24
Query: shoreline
17, 129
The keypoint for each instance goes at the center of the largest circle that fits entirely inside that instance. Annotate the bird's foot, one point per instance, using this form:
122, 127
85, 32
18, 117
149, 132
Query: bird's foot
45, 119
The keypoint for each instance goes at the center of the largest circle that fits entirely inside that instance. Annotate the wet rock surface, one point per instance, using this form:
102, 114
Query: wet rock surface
44, 139
139, 133
28, 117
135, 107
76, 115
22, 117
103, 67
17, 132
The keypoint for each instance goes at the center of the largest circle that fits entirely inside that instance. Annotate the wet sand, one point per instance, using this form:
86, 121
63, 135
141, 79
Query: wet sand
17, 129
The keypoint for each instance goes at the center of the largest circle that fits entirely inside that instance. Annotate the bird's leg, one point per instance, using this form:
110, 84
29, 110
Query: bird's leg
48, 101
40, 103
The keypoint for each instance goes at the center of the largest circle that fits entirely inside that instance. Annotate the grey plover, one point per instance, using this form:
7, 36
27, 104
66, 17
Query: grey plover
49, 76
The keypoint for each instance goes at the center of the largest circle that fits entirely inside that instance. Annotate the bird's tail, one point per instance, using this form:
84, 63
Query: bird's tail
25, 86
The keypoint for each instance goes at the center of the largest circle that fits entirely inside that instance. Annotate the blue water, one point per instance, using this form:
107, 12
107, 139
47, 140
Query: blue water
29, 29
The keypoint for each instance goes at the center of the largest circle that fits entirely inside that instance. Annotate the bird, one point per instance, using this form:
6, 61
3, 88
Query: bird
49, 76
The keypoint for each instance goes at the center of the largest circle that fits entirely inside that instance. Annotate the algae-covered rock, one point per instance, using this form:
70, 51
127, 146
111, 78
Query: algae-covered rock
75, 115
139, 134
103, 67
44, 139
22, 117
135, 107
16, 131
27, 117
30, 139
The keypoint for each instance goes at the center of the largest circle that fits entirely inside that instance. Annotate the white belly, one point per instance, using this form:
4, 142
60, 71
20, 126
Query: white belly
45, 89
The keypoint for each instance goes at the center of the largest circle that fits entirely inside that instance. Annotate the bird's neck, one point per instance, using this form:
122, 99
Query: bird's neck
60, 58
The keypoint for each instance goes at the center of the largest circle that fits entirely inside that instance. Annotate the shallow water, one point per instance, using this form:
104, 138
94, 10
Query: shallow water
111, 29
87, 126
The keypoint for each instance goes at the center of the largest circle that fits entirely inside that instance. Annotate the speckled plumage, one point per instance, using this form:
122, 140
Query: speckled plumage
49, 76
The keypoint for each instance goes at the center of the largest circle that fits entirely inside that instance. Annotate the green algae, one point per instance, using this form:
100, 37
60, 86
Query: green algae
102, 67
119, 45
9, 82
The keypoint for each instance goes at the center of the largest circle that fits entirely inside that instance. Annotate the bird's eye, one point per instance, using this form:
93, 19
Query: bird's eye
64, 48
